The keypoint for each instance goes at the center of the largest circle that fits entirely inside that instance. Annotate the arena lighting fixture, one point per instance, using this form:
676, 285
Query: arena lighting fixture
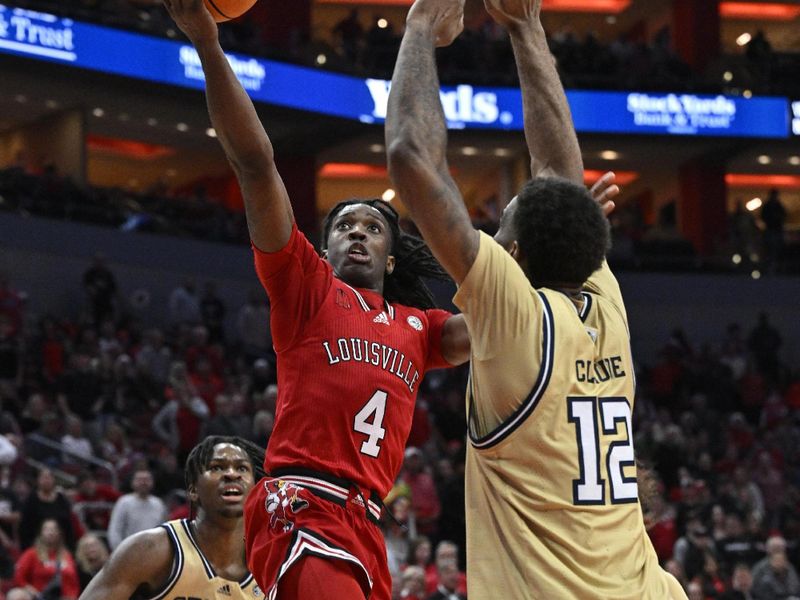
764, 159
756, 274
591, 6
794, 161
736, 259
753, 204
383, 23
211, 132
469, 151
321, 59
747, 94
609, 155
376, 148
590, 176
128, 148
358, 171
502, 152
152, 122
727, 76
754, 180
388, 195
98, 112
761, 11
353, 171
183, 127
744, 39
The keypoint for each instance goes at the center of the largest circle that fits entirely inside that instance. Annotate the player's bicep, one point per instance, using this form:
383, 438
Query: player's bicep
142, 562
497, 301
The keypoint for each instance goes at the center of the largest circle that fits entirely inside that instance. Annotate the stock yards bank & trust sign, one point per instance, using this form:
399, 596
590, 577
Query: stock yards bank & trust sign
681, 113
36, 33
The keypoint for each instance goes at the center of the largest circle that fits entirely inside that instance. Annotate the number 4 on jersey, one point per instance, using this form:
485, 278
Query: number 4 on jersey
374, 409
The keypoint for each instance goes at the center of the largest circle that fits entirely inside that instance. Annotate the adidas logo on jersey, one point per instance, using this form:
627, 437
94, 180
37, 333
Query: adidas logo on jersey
381, 318
225, 590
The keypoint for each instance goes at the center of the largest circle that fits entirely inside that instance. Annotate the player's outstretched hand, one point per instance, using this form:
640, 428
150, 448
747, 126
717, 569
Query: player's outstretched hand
445, 17
193, 19
604, 190
513, 12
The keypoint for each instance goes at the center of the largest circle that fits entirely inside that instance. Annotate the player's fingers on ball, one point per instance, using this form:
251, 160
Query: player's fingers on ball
611, 192
609, 207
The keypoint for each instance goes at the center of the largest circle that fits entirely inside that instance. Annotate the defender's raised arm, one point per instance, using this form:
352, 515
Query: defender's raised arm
416, 137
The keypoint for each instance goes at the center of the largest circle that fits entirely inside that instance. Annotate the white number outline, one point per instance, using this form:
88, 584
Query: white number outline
619, 455
376, 406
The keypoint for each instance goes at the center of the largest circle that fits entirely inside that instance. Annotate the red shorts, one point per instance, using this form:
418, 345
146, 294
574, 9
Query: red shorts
285, 522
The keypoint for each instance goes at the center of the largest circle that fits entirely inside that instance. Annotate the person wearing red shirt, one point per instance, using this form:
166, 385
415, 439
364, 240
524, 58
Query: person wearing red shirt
95, 516
47, 564
424, 496
354, 332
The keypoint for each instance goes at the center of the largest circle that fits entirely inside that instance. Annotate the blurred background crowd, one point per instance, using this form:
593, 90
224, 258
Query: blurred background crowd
99, 412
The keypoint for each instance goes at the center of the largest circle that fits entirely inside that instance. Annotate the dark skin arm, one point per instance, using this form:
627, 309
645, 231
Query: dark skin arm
246, 143
416, 138
140, 565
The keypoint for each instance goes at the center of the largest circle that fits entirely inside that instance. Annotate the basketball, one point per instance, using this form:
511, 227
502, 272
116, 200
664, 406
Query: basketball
225, 10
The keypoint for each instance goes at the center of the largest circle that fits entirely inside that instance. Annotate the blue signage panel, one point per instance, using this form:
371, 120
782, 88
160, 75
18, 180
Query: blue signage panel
47, 37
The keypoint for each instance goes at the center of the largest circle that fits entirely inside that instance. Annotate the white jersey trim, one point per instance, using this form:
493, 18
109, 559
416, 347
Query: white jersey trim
306, 543
177, 563
526, 408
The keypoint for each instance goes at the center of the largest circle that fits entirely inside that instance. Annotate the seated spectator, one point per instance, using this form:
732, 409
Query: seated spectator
97, 500
741, 584
419, 552
44, 503
76, 445
446, 552
424, 497
47, 569
448, 585
412, 586
227, 421
90, 555
774, 577
136, 511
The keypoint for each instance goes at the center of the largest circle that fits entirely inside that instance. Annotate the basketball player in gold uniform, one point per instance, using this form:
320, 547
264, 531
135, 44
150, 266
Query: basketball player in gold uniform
551, 492
198, 559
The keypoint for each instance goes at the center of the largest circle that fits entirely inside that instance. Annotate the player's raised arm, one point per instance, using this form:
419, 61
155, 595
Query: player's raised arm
246, 144
549, 131
142, 563
416, 137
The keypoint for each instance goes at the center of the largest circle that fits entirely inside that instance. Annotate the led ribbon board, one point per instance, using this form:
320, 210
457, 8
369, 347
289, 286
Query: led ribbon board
47, 37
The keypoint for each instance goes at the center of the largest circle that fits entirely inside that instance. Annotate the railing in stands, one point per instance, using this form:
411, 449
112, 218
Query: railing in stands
35, 438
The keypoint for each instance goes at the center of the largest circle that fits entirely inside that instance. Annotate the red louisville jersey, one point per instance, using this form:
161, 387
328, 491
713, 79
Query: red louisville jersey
349, 367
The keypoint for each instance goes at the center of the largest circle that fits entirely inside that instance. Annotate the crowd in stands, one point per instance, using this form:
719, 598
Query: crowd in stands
99, 410
482, 55
760, 243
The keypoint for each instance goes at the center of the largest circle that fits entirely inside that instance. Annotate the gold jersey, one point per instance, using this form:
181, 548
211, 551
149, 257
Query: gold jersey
551, 496
193, 577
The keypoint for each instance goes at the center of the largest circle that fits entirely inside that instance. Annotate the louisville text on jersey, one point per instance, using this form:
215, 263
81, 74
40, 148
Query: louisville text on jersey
389, 359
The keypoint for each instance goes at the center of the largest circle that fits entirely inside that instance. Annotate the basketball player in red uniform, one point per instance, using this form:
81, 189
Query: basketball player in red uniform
354, 331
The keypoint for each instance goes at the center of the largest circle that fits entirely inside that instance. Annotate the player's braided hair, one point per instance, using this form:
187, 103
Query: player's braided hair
200, 456
413, 259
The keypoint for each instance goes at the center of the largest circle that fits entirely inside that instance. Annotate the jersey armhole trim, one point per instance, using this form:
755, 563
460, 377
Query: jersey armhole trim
587, 306
206, 565
177, 563
527, 407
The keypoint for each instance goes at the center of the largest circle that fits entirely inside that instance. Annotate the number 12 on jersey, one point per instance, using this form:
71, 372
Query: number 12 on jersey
374, 409
589, 488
